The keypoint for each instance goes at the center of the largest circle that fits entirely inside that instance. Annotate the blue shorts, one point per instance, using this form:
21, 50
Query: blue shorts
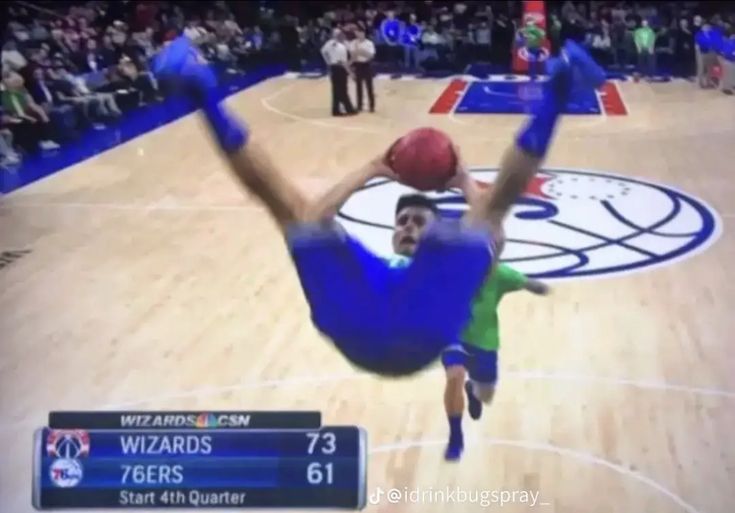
535, 53
481, 365
391, 321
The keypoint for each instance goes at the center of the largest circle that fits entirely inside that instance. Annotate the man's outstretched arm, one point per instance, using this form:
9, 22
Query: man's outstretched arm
537, 287
326, 207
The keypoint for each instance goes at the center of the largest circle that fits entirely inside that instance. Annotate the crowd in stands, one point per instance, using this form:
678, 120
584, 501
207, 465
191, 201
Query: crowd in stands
69, 67
73, 66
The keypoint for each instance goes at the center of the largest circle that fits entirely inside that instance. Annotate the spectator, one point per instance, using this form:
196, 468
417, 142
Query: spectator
58, 42
601, 44
40, 57
684, 58
131, 78
63, 117
533, 38
91, 59
555, 33
431, 42
664, 47
73, 90
12, 59
19, 105
645, 41
109, 53
8, 156
38, 31
410, 41
195, 31
84, 30
482, 41
706, 56
727, 63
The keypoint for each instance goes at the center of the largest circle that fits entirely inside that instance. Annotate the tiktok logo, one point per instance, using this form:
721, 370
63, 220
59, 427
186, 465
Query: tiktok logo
376, 497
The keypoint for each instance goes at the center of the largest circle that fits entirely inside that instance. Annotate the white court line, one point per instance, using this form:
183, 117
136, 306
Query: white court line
622, 97
322, 122
435, 373
452, 114
314, 121
582, 456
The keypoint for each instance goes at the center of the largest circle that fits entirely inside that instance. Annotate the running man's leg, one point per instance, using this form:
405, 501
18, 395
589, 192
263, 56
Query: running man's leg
453, 359
482, 368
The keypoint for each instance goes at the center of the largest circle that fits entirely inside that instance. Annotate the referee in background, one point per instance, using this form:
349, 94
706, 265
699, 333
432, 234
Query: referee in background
362, 52
336, 56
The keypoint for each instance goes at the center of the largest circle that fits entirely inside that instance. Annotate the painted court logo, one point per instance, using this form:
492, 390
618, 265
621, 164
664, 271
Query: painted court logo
569, 224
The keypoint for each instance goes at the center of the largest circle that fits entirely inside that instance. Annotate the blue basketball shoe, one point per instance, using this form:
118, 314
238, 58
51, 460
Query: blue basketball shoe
182, 64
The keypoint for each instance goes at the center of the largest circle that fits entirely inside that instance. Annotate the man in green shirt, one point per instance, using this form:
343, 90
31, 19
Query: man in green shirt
645, 43
477, 353
532, 37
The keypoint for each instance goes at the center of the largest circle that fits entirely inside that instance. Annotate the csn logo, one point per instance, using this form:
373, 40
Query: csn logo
568, 224
65, 473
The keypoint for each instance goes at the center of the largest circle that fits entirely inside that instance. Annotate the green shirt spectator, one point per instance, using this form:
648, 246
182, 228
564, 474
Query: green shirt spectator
533, 35
645, 38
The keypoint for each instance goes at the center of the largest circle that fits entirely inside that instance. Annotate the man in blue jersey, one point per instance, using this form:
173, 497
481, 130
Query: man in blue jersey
727, 62
387, 319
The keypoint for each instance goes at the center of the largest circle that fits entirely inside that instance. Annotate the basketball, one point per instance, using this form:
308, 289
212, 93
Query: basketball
423, 159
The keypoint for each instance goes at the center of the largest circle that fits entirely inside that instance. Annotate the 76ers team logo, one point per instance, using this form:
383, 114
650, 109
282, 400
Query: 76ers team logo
69, 444
568, 224
66, 473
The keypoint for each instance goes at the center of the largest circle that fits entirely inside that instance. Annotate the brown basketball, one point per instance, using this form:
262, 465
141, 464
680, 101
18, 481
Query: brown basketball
423, 159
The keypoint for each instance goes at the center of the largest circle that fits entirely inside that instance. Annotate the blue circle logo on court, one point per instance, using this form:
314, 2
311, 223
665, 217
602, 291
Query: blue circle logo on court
568, 224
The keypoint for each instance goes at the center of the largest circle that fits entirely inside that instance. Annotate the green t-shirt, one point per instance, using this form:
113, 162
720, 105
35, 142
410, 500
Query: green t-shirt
533, 35
483, 330
645, 38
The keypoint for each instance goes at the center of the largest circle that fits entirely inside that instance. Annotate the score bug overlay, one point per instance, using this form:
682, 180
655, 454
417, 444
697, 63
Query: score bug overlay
300, 467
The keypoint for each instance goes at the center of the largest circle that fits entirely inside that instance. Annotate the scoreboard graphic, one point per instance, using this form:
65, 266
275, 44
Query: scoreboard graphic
285, 460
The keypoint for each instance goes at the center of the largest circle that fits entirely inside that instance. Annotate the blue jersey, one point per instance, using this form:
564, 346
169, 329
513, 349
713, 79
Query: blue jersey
728, 49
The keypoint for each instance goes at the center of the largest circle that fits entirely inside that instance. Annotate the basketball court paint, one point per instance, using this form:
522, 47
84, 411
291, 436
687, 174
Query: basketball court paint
152, 282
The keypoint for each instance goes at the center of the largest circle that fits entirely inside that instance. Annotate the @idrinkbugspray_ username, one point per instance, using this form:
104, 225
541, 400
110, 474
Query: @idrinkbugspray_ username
456, 494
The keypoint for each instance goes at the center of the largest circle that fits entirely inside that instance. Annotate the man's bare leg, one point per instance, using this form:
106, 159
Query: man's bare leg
454, 407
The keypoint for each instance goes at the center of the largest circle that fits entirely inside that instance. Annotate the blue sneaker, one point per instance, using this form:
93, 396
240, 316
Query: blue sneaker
453, 452
181, 62
474, 405
589, 73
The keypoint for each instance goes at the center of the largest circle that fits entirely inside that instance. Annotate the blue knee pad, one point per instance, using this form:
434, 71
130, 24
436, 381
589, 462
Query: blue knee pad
390, 321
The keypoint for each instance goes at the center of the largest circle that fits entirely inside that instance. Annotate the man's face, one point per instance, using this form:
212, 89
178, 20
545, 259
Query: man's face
409, 227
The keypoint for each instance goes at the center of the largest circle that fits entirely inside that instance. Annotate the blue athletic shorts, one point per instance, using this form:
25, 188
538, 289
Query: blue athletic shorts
391, 321
535, 53
481, 365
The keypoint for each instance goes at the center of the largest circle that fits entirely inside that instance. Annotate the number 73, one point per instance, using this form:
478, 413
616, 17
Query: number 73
328, 442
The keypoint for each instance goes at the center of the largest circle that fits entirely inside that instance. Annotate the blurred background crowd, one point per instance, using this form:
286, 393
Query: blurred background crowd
69, 67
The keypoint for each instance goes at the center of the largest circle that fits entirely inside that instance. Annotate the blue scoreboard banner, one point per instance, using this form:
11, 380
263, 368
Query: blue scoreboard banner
204, 467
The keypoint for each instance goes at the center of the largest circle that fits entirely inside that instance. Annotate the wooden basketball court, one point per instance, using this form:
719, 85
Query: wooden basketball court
153, 283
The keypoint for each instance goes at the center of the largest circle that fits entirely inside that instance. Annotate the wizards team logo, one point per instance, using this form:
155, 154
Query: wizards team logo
568, 224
